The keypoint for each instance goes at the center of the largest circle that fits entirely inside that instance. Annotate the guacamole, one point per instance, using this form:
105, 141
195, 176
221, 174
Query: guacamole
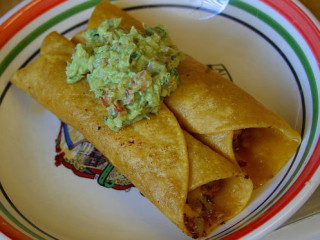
129, 72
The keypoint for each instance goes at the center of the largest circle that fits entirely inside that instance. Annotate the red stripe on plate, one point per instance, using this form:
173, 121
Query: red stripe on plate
309, 170
301, 21
311, 33
11, 232
23, 16
10, 27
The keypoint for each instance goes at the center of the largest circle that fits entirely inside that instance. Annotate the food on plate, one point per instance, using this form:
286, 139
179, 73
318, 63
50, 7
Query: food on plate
165, 163
221, 114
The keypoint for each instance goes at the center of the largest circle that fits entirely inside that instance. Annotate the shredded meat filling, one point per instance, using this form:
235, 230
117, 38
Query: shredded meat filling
200, 210
236, 140
236, 145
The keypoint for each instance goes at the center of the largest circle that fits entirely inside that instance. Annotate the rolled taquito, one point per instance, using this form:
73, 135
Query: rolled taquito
232, 122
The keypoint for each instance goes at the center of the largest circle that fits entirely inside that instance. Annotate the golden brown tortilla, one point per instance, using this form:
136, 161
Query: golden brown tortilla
209, 170
222, 143
232, 122
161, 160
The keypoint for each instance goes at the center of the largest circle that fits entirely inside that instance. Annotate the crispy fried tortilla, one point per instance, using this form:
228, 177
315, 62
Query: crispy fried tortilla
141, 152
217, 192
176, 172
222, 115
232, 122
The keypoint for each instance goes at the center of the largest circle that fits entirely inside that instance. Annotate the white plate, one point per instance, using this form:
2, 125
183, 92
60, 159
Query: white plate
269, 48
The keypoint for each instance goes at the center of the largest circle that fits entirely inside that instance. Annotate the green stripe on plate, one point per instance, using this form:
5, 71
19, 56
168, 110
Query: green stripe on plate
313, 86
17, 223
42, 28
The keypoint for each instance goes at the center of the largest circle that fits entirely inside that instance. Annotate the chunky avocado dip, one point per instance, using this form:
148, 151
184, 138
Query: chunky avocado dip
129, 72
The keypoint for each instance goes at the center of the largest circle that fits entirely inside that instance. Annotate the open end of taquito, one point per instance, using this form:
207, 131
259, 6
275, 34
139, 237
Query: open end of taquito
260, 152
218, 190
232, 122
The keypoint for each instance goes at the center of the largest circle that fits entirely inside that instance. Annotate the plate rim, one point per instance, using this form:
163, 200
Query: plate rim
309, 170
